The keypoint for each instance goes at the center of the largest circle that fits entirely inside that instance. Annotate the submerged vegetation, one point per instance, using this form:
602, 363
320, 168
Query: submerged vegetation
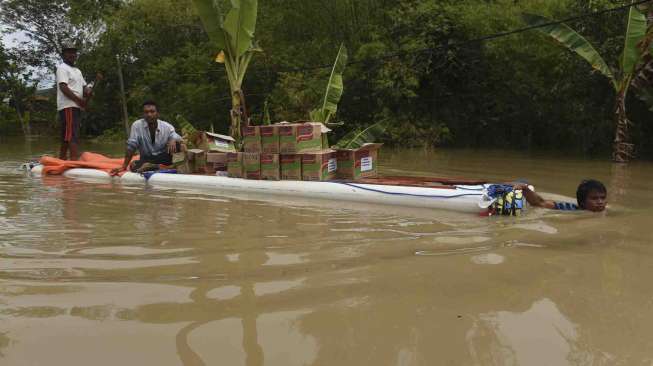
635, 57
422, 69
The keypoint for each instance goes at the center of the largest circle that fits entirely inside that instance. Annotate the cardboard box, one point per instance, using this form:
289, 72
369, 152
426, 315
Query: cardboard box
252, 139
180, 162
183, 168
196, 160
270, 139
219, 160
358, 163
291, 166
235, 165
296, 138
252, 164
209, 141
319, 165
209, 168
270, 167
220, 143
178, 157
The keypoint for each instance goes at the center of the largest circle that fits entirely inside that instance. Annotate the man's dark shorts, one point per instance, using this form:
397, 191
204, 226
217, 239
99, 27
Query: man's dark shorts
161, 159
70, 121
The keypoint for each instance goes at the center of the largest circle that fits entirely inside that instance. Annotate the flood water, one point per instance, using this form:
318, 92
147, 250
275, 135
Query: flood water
100, 274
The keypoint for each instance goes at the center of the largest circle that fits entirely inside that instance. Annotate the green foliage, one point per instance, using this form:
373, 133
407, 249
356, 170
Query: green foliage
294, 94
234, 39
573, 41
334, 89
635, 32
240, 25
185, 127
50, 24
115, 134
512, 92
212, 19
267, 120
635, 56
358, 138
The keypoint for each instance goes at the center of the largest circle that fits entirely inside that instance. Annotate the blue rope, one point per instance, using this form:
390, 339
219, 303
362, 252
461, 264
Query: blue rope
409, 194
469, 189
497, 190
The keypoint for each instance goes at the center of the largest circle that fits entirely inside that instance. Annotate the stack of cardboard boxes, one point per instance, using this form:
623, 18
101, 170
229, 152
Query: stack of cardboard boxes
218, 146
277, 152
284, 151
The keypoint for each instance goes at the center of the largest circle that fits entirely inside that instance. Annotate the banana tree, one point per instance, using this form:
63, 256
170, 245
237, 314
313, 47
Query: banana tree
334, 90
637, 49
233, 38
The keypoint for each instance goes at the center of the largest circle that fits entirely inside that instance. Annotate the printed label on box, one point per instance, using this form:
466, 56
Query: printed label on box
366, 164
333, 165
221, 144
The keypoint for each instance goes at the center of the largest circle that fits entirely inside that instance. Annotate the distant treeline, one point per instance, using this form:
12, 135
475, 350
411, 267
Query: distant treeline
414, 63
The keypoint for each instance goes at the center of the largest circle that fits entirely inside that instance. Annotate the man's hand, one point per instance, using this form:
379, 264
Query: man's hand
67, 92
521, 186
81, 103
116, 171
172, 147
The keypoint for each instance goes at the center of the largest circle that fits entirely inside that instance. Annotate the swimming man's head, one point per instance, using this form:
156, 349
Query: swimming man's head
591, 195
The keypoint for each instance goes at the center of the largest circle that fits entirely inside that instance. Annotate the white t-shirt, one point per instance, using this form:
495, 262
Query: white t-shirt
73, 77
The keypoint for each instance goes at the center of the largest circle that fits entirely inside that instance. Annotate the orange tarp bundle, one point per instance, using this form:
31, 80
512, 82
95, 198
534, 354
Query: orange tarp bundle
88, 160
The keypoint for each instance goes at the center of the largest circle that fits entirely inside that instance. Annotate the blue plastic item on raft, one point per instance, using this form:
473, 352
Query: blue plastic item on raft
149, 175
498, 190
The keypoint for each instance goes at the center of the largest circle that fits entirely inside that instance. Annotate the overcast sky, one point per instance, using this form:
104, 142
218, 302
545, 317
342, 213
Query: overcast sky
9, 40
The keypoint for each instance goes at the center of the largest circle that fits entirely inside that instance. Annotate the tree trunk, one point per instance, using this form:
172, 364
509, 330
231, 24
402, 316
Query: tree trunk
619, 183
622, 149
24, 126
238, 115
28, 122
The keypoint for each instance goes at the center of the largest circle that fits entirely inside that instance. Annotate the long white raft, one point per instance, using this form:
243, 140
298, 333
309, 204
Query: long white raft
462, 198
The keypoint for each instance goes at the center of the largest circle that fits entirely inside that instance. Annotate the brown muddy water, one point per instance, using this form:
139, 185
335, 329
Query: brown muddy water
99, 274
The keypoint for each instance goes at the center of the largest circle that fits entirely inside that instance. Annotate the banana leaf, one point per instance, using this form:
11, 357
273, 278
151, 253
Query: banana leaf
211, 16
333, 91
634, 34
358, 138
186, 127
573, 41
240, 24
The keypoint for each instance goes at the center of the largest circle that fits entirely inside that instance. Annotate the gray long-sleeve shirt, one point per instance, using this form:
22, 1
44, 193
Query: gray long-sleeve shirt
139, 138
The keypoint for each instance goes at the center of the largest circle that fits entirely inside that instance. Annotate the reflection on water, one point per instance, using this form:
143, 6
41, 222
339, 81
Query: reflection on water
105, 274
540, 335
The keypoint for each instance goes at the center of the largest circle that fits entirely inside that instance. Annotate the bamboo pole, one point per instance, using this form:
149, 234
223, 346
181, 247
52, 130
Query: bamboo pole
123, 99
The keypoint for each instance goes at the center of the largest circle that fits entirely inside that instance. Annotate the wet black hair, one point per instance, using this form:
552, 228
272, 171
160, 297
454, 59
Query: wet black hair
151, 102
585, 187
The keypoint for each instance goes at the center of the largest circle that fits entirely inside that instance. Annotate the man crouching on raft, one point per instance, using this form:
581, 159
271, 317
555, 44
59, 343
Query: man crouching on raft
155, 141
591, 195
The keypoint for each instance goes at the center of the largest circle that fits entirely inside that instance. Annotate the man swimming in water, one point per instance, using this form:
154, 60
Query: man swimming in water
591, 195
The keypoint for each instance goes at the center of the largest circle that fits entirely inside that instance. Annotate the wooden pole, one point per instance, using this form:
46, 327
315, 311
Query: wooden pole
123, 99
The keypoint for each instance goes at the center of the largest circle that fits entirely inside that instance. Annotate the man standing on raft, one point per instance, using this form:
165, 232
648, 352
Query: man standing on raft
591, 195
155, 141
72, 96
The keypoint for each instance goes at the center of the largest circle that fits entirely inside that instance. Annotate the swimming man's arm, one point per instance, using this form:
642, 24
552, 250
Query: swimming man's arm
533, 198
